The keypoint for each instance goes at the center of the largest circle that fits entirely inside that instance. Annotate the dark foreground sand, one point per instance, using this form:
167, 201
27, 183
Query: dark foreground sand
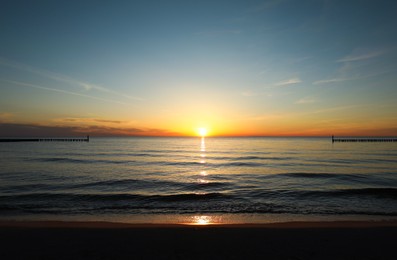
100, 240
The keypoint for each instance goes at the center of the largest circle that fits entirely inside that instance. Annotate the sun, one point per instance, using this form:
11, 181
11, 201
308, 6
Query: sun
202, 131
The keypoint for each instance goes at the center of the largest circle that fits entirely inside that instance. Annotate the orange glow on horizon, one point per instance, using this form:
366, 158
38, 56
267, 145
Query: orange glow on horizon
206, 127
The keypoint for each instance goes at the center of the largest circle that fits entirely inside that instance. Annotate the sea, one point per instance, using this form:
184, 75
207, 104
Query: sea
194, 180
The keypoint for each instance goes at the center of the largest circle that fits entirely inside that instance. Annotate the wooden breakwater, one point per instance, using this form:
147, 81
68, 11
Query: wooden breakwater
364, 139
84, 139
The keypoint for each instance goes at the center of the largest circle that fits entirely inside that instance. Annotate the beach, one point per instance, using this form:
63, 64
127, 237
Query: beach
106, 240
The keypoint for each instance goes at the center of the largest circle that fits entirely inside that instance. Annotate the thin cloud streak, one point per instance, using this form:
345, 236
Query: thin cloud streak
62, 78
87, 120
336, 80
288, 82
61, 91
361, 56
306, 100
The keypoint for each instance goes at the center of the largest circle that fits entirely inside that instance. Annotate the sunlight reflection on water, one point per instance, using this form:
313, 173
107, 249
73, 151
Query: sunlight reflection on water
202, 161
203, 181
202, 144
161, 180
203, 173
204, 220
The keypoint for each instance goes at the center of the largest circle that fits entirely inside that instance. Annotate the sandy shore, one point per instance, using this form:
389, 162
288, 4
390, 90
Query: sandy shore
104, 240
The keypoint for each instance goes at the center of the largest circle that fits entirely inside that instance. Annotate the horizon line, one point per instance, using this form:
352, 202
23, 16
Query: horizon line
196, 136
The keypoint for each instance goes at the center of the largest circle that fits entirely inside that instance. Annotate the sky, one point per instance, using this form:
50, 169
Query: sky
168, 68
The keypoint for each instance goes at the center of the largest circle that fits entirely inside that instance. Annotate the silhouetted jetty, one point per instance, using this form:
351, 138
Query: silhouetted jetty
363, 139
86, 139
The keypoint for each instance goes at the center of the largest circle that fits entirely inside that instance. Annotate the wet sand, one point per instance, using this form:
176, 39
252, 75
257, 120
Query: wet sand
104, 240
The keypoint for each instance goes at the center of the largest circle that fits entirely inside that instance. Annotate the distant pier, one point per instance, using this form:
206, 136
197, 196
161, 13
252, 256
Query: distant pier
363, 139
5, 140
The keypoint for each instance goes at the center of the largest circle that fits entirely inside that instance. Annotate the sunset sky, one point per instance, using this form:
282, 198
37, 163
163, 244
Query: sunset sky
277, 67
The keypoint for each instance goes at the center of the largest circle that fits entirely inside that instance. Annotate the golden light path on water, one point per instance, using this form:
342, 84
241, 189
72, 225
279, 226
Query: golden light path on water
203, 219
203, 156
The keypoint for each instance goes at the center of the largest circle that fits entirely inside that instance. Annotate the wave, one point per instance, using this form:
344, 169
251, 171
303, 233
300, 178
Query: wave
155, 184
382, 193
217, 207
191, 163
206, 185
131, 154
114, 197
376, 192
248, 158
212, 164
120, 185
242, 161
190, 197
370, 179
82, 161
145, 183
59, 159
112, 154
240, 164
249, 196
323, 175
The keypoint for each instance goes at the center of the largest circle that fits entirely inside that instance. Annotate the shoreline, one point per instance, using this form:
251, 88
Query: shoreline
365, 240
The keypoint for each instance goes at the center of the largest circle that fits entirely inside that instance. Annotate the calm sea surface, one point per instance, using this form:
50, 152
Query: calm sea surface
194, 180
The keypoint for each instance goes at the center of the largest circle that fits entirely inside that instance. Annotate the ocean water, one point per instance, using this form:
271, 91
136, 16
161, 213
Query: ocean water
197, 180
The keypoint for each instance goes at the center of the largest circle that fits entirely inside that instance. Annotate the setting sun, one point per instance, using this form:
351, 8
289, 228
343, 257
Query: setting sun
202, 131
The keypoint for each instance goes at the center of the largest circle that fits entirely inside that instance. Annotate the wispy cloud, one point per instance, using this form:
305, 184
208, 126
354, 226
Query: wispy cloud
62, 78
288, 82
334, 80
359, 65
24, 84
87, 120
306, 100
360, 55
364, 76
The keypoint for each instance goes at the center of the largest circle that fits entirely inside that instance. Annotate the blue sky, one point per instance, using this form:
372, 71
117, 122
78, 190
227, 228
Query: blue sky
278, 67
